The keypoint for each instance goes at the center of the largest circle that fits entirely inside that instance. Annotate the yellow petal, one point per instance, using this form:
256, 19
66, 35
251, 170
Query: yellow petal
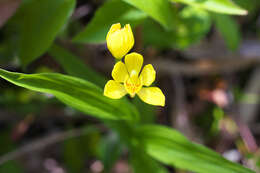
113, 28
133, 62
148, 75
130, 37
152, 95
114, 90
119, 72
120, 41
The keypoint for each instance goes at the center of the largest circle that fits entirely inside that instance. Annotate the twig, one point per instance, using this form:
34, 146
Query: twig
180, 116
204, 66
247, 137
212, 58
44, 142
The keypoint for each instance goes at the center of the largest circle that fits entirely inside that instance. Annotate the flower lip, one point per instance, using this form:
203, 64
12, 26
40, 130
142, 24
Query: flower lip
133, 85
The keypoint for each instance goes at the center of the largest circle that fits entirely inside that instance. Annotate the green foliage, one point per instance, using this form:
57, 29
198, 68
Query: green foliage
218, 6
170, 147
73, 149
110, 148
147, 111
229, 29
193, 18
250, 6
191, 26
96, 30
39, 22
159, 10
141, 162
74, 66
76, 93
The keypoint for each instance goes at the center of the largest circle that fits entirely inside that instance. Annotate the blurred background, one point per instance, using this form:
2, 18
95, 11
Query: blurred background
207, 64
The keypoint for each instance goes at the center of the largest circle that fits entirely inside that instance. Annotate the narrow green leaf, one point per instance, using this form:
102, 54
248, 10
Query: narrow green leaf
141, 162
74, 66
75, 92
147, 111
229, 29
110, 150
170, 147
39, 23
111, 12
159, 10
218, 6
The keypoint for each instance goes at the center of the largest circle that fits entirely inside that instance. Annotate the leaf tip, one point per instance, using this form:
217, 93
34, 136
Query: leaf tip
244, 12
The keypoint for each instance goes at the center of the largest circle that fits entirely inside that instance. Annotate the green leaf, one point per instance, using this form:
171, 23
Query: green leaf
251, 6
229, 29
191, 26
155, 35
111, 12
218, 6
147, 111
75, 92
39, 23
110, 150
159, 10
74, 66
141, 162
172, 148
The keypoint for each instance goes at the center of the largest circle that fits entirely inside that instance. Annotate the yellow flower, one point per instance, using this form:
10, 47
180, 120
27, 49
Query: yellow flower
128, 80
120, 40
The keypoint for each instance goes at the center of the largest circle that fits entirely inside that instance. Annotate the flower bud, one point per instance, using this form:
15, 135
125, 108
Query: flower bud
120, 40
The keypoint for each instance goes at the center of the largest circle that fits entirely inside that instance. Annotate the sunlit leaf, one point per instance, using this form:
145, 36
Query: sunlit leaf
172, 148
219, 6
159, 10
76, 93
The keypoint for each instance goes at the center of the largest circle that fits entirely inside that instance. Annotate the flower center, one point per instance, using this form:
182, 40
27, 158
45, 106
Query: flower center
133, 85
